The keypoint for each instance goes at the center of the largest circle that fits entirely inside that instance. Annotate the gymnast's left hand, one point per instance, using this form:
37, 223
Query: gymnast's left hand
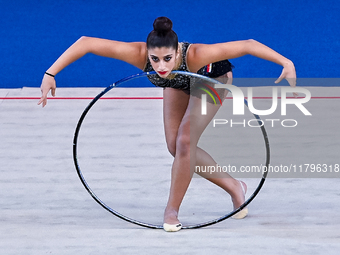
288, 73
48, 83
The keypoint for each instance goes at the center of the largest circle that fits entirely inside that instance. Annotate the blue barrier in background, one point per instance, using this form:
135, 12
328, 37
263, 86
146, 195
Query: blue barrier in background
34, 33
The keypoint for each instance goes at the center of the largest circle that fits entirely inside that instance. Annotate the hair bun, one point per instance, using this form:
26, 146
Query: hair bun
162, 25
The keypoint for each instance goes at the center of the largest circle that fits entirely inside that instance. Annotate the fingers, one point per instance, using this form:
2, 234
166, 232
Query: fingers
43, 98
48, 84
282, 76
53, 92
292, 82
285, 75
279, 79
43, 101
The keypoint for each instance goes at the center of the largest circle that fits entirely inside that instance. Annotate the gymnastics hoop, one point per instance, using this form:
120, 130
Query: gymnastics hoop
148, 225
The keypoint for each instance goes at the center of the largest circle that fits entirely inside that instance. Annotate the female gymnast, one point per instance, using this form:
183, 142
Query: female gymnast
183, 122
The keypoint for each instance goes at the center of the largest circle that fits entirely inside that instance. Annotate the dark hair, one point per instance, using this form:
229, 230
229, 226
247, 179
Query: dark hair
162, 35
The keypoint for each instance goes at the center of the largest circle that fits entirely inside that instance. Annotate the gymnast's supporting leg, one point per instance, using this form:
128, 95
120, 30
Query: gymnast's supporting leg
175, 103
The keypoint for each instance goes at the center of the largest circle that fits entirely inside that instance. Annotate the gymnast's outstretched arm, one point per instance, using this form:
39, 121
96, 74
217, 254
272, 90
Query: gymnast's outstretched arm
133, 53
202, 54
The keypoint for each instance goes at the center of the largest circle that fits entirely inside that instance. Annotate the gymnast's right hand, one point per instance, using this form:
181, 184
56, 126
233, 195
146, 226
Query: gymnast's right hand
48, 83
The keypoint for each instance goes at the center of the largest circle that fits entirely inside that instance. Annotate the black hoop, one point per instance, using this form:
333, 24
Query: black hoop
143, 224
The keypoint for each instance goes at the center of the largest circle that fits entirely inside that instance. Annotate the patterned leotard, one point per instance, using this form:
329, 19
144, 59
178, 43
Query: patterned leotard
182, 82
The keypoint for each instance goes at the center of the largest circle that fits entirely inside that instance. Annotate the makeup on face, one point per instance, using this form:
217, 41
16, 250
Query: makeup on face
163, 60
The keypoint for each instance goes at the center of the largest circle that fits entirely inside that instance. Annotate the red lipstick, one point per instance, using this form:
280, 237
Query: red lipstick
162, 73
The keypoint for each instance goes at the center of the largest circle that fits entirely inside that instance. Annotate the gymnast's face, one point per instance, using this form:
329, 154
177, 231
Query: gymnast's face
163, 60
